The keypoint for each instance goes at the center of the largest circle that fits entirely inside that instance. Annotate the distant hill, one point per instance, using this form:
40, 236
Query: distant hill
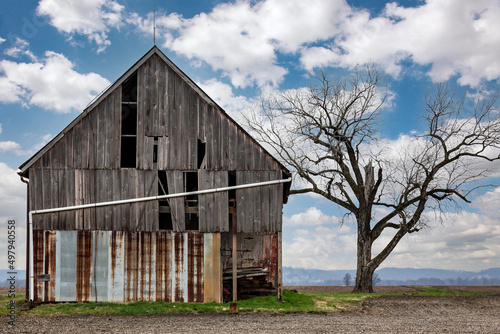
394, 276
388, 276
20, 277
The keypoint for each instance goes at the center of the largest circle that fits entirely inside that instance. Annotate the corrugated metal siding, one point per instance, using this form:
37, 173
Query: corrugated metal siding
127, 266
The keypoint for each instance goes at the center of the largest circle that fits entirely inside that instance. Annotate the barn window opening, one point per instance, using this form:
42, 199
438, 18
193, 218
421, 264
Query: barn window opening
164, 213
128, 150
155, 151
201, 153
231, 182
191, 201
191, 184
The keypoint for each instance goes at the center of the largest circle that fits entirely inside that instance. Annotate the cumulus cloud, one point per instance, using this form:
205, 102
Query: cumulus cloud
20, 48
50, 83
224, 96
312, 217
453, 37
469, 241
90, 18
11, 146
2, 40
243, 39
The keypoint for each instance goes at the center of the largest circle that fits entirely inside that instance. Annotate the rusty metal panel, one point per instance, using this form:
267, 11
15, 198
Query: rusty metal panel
212, 279
122, 266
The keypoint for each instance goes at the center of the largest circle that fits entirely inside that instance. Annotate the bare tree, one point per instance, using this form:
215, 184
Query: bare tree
328, 135
376, 279
347, 279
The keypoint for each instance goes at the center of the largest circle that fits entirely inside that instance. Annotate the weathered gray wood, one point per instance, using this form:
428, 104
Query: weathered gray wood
78, 199
192, 128
175, 185
264, 199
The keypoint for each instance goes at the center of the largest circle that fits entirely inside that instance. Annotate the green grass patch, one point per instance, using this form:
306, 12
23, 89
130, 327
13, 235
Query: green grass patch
5, 302
293, 302
433, 291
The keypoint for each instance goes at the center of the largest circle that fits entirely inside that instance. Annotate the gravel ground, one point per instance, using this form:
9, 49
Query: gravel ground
407, 314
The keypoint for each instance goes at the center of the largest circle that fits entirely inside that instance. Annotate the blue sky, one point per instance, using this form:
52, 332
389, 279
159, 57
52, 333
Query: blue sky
56, 55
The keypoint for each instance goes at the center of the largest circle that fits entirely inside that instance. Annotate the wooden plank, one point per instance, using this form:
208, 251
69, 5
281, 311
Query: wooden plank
232, 146
175, 185
192, 127
77, 145
78, 198
108, 196
264, 198
241, 202
69, 151
126, 208
162, 96
224, 142
203, 183
92, 134
141, 207
222, 202
151, 207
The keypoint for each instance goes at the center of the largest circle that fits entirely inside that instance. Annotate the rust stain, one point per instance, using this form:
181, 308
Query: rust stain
200, 268
38, 259
179, 254
191, 267
168, 266
112, 244
52, 265
160, 253
83, 265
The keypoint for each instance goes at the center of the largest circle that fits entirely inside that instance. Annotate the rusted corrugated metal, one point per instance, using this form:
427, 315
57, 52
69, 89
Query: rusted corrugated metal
126, 266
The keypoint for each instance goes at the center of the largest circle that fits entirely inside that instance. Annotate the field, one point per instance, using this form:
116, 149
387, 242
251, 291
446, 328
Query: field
412, 310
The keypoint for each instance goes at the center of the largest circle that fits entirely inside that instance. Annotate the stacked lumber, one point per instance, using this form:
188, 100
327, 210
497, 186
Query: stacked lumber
251, 282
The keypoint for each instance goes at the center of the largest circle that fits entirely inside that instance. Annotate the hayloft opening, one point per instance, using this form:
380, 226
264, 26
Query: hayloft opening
201, 154
191, 201
164, 213
231, 182
128, 150
155, 151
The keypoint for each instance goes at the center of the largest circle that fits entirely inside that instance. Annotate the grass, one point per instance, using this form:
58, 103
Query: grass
432, 291
293, 302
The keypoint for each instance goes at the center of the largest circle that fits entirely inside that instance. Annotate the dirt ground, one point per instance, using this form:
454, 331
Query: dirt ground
407, 314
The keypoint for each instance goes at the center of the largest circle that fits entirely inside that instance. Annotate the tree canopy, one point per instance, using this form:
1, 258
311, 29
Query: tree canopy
329, 136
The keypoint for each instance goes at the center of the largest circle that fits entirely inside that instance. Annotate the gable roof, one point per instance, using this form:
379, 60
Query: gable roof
23, 169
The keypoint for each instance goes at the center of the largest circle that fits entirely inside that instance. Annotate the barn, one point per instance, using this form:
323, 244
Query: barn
153, 193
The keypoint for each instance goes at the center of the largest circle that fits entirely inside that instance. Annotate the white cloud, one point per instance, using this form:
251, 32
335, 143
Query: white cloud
50, 83
465, 240
243, 39
312, 217
11, 146
454, 37
20, 48
2, 40
91, 18
223, 95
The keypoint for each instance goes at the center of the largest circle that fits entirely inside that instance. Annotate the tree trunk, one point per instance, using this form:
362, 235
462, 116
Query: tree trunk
365, 267
364, 277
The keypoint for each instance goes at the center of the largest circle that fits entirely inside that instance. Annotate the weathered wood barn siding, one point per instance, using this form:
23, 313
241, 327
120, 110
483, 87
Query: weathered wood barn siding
84, 165
177, 132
